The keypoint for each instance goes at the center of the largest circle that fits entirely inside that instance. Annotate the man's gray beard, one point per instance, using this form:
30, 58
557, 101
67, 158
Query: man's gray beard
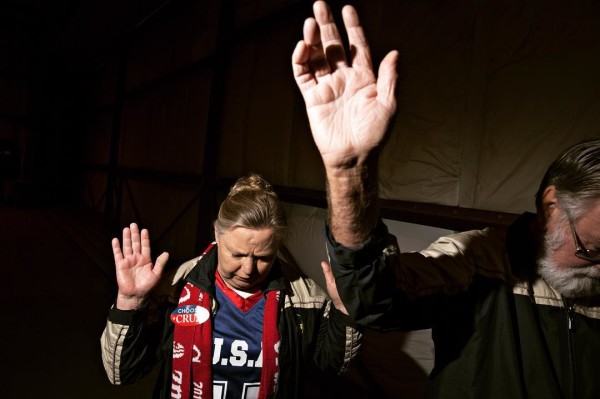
570, 281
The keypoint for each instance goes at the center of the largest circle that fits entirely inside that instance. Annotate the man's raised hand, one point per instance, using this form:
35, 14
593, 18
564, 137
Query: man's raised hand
349, 109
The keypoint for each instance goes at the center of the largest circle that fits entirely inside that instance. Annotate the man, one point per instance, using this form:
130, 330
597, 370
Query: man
513, 315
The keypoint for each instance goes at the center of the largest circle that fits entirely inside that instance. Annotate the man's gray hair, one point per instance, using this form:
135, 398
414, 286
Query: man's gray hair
576, 176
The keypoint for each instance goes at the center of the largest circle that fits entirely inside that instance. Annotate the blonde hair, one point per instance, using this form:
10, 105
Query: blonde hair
251, 203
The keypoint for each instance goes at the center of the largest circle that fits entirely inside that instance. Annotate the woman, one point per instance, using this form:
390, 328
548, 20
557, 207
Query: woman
237, 322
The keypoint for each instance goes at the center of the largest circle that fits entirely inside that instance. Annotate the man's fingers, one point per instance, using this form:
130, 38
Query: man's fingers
386, 81
331, 40
360, 54
302, 73
317, 61
160, 263
332, 288
329, 279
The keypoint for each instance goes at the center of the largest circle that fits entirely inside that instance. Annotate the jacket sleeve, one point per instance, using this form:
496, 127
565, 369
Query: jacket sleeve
338, 341
129, 345
132, 341
385, 289
315, 329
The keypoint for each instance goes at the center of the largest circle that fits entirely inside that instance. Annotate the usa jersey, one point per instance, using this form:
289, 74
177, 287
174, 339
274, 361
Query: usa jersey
237, 352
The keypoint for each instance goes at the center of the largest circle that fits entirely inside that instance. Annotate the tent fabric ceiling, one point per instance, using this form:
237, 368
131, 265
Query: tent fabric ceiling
489, 91
488, 97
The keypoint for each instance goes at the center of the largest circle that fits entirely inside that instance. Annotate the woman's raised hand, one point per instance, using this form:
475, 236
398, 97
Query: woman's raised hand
136, 274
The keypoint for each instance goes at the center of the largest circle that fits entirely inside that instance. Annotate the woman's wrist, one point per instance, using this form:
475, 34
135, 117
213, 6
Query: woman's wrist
129, 302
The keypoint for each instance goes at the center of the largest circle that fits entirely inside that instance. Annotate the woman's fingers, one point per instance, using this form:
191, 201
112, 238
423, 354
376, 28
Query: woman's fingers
145, 236
127, 250
135, 238
160, 263
116, 246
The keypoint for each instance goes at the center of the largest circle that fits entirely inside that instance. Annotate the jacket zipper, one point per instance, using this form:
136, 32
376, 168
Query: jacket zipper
570, 307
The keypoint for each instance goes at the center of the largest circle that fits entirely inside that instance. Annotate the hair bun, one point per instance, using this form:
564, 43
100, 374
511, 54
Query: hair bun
252, 182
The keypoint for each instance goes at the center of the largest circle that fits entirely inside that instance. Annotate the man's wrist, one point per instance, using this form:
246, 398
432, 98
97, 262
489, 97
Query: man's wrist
353, 202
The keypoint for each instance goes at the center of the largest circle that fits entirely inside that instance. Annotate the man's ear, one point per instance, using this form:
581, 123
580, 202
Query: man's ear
216, 236
549, 207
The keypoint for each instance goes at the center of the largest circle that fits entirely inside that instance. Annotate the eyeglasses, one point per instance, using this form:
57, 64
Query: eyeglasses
591, 255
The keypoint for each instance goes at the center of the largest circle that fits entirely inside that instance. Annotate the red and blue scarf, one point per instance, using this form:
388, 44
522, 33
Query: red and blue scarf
192, 345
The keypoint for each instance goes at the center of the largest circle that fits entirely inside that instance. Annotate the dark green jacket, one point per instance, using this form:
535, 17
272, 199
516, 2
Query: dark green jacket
499, 330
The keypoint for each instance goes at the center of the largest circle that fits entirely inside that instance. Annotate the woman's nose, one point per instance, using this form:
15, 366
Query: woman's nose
248, 265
